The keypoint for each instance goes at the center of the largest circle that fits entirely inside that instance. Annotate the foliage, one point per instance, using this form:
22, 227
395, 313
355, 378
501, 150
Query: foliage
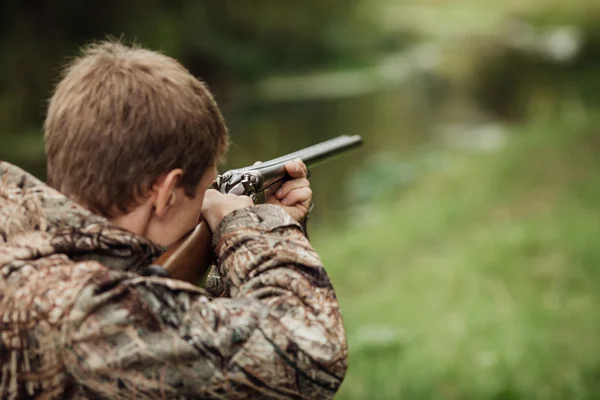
480, 282
222, 41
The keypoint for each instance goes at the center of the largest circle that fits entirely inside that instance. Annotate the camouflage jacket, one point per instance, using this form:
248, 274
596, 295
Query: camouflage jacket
78, 318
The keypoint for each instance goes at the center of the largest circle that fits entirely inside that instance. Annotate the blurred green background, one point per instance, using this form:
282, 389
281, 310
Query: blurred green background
462, 238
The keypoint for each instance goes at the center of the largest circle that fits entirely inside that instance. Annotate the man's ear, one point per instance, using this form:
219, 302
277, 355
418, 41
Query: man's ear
164, 191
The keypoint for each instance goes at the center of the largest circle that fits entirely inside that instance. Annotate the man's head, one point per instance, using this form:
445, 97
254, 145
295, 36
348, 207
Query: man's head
130, 133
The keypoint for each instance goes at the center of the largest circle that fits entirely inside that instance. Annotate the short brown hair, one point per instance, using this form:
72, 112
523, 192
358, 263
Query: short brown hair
120, 117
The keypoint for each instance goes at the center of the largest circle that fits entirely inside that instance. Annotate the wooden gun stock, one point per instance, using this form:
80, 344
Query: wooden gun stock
190, 259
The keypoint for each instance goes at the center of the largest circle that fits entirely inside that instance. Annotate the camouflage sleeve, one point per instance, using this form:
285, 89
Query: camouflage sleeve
279, 335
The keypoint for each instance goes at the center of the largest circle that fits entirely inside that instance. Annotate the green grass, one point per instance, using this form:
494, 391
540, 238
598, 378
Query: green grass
482, 281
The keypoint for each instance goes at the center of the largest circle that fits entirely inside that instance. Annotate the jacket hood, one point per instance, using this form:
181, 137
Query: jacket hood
37, 221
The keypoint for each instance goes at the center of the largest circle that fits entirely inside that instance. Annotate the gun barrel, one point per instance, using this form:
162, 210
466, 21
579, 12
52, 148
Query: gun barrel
311, 156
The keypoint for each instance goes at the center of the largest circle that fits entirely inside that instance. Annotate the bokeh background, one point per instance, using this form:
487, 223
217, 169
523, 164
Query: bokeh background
462, 238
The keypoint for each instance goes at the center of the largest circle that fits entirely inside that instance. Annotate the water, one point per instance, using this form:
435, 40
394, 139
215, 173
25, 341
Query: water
390, 123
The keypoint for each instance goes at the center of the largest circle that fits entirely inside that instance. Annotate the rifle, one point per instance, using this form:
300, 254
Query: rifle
190, 258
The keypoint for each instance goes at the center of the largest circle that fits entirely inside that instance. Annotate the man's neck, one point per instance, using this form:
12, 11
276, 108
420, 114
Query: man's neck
135, 221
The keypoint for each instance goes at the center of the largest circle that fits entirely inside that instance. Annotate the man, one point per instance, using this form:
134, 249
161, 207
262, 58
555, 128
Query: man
132, 142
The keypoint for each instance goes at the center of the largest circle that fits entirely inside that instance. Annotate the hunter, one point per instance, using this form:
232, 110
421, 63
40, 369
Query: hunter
133, 141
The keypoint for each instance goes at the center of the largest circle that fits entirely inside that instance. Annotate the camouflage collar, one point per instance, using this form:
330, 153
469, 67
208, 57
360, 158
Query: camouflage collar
37, 221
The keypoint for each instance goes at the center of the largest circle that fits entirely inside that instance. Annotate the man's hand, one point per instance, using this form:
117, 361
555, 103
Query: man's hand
295, 195
217, 205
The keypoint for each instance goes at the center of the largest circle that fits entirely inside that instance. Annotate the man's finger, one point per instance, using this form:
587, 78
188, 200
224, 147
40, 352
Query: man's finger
297, 196
257, 163
291, 185
296, 169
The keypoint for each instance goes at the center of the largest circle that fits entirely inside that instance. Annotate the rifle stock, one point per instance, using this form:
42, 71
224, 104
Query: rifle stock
190, 259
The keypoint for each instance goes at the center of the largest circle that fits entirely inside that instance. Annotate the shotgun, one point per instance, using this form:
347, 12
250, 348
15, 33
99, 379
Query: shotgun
190, 259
